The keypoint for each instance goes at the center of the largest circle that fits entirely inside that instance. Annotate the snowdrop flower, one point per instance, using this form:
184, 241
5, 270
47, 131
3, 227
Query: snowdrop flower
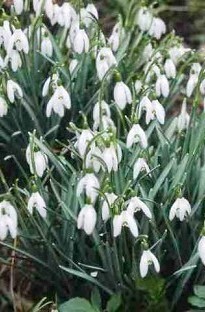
90, 185
81, 42
180, 209
92, 159
135, 204
191, 84
162, 86
104, 61
202, 87
109, 200
18, 6
152, 109
195, 69
19, 41
47, 84
66, 15
147, 259
49, 9
88, 14
144, 19
3, 107
37, 161
8, 220
112, 156
15, 60
73, 65
87, 219
176, 53
140, 165
138, 86
170, 68
13, 90
183, 119
201, 249
135, 135
5, 34
158, 28
58, 102
38, 6
46, 46
83, 141
107, 124
114, 39
148, 51
101, 108
36, 201
126, 218
122, 95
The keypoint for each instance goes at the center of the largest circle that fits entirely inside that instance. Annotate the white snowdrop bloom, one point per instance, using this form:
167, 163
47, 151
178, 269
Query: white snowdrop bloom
151, 70
112, 156
5, 34
191, 84
13, 90
74, 29
180, 209
46, 86
89, 14
107, 124
83, 141
87, 219
101, 108
14, 59
170, 68
135, 204
202, 87
146, 260
177, 52
92, 159
183, 119
37, 161
38, 6
122, 95
18, 6
162, 86
195, 69
148, 51
156, 110
114, 39
59, 101
126, 218
36, 201
90, 185
104, 61
73, 65
158, 28
57, 15
140, 165
81, 42
136, 135
138, 86
3, 107
67, 14
19, 41
46, 46
109, 200
49, 9
201, 249
8, 220
144, 19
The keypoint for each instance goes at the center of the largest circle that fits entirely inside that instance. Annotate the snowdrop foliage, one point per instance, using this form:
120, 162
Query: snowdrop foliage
101, 134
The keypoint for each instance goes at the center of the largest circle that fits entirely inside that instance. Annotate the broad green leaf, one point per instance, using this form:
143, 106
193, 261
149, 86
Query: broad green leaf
114, 303
76, 305
199, 291
196, 301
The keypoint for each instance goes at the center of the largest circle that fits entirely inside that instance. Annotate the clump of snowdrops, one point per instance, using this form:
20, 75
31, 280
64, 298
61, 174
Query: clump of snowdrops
104, 138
